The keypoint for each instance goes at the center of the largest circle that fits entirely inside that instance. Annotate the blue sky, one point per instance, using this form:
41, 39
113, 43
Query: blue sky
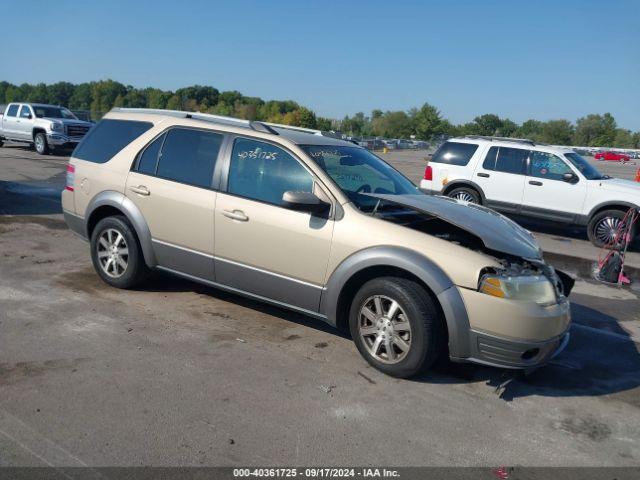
519, 59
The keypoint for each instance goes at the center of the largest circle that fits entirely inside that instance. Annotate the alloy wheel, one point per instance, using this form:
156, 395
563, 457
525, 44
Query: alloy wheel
39, 143
113, 253
607, 230
384, 329
464, 196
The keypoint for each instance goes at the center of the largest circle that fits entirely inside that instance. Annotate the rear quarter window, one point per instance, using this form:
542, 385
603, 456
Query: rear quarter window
455, 153
107, 138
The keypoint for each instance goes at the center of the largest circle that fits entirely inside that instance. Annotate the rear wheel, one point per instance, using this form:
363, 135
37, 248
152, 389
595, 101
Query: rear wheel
396, 326
40, 143
604, 229
116, 254
465, 194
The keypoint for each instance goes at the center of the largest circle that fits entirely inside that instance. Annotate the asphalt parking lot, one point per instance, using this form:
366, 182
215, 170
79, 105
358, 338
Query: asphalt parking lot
175, 373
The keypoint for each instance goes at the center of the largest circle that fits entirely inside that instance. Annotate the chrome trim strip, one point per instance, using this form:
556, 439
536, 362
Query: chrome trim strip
173, 245
243, 293
284, 277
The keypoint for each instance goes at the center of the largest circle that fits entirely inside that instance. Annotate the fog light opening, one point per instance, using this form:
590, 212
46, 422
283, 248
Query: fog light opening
531, 353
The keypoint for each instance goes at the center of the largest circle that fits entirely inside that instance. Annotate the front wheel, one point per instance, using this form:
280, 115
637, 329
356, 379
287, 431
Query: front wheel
40, 143
605, 228
396, 326
116, 254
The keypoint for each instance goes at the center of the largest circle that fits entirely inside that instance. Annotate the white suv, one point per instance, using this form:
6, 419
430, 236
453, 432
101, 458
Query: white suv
534, 180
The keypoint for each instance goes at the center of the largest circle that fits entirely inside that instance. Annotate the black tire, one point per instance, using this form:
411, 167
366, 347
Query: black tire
136, 269
610, 217
465, 193
1, 142
427, 335
40, 143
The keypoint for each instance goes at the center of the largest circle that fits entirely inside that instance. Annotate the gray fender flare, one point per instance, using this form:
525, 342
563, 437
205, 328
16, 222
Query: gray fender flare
133, 214
413, 262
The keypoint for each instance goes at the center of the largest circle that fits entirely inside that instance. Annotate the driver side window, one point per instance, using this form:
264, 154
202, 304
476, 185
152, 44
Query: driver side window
25, 111
261, 171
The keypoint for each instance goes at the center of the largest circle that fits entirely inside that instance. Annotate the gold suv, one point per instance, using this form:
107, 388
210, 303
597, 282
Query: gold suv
302, 220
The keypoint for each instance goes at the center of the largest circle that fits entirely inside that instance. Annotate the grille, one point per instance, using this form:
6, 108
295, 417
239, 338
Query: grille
77, 130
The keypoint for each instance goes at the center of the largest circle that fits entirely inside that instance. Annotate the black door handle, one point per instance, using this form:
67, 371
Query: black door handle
536, 183
485, 175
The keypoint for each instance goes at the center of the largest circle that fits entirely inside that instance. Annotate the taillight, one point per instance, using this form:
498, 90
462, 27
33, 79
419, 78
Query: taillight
71, 177
428, 173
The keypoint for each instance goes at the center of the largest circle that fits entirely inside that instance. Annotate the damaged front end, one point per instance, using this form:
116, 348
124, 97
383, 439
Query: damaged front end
523, 274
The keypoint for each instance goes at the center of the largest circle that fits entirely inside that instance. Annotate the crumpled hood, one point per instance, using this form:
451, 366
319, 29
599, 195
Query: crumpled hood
619, 185
496, 231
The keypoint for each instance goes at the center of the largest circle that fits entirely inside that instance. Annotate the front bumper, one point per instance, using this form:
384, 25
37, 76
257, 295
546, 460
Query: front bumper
507, 353
59, 139
513, 334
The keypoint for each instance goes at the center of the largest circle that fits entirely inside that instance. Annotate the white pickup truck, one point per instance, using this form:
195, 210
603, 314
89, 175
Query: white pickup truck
44, 126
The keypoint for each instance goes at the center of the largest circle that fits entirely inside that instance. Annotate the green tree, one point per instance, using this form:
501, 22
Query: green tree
82, 97
359, 124
203, 96
557, 132
306, 118
60, 93
38, 94
507, 129
623, 139
156, 98
487, 124
104, 94
135, 98
174, 103
531, 129
324, 124
393, 125
427, 122
595, 130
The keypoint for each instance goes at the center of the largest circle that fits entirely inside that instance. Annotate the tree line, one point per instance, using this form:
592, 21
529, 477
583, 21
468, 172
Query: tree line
424, 123
593, 130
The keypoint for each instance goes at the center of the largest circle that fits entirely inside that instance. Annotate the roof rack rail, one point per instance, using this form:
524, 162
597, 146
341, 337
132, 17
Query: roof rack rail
503, 139
294, 128
205, 117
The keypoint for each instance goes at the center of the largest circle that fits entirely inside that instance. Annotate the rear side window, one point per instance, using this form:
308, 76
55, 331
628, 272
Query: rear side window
12, 111
505, 159
107, 138
455, 153
148, 161
189, 156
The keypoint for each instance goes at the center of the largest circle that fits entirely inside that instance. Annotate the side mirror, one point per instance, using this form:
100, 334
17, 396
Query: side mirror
304, 202
29, 116
570, 177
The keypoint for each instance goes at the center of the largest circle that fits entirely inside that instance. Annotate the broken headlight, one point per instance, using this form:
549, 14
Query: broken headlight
529, 288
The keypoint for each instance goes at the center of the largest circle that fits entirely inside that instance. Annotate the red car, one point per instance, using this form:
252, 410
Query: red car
612, 156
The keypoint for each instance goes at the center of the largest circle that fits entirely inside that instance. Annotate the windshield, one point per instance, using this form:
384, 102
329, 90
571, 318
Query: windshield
589, 171
358, 172
53, 112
